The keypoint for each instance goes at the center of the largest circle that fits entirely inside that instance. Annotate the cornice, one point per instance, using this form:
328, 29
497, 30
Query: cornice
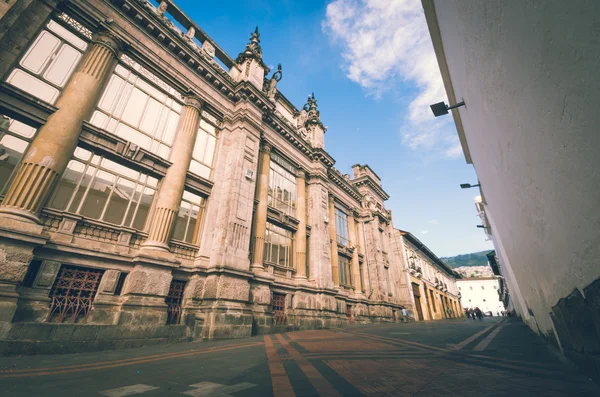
336, 177
366, 180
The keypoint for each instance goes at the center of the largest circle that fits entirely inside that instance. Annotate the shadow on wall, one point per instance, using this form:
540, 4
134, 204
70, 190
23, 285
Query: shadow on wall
577, 322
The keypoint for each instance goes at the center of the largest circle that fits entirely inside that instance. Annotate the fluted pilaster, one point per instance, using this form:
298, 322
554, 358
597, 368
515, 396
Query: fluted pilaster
50, 152
260, 218
300, 238
356, 279
173, 184
335, 267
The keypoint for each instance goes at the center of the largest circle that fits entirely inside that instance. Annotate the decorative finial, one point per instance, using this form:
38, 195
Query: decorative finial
314, 116
253, 49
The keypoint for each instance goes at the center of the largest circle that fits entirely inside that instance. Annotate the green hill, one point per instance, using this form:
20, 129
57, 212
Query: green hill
473, 259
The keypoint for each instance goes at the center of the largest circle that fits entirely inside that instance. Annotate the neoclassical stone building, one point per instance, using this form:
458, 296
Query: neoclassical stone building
428, 285
153, 188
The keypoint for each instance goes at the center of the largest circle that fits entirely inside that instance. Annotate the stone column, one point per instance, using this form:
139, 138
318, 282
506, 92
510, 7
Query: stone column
54, 144
260, 218
300, 240
355, 268
335, 269
172, 185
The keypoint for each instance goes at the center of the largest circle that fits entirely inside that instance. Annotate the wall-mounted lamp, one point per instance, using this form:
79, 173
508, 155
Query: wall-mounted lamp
440, 108
468, 185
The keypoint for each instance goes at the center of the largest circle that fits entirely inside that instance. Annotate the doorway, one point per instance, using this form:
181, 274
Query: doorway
417, 296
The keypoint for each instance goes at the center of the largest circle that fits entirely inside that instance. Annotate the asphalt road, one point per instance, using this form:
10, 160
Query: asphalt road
490, 357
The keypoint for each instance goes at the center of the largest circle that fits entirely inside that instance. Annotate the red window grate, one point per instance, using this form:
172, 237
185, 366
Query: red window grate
278, 305
173, 300
73, 293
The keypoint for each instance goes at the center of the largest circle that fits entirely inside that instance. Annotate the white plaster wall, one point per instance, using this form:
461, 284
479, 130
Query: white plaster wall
528, 72
486, 298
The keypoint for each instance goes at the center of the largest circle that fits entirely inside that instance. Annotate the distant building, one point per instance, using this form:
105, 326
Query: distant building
427, 285
482, 293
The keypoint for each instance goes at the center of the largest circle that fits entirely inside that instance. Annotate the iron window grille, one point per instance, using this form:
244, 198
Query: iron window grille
73, 293
278, 306
174, 300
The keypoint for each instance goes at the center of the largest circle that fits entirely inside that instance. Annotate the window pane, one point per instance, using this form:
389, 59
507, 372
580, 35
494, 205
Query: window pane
143, 209
33, 86
66, 185
21, 129
192, 226
134, 204
134, 136
181, 222
11, 151
62, 66
136, 104
41, 52
65, 34
111, 94
151, 116
97, 196
119, 201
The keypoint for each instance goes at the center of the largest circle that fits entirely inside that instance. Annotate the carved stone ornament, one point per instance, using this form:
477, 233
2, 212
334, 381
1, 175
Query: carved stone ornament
190, 33
313, 115
194, 101
162, 8
208, 48
253, 49
108, 40
270, 86
301, 118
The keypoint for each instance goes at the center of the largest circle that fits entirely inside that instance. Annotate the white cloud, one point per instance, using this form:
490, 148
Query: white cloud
385, 43
434, 222
424, 231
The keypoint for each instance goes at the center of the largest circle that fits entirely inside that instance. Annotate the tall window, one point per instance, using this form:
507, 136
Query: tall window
388, 280
345, 274
278, 245
98, 188
139, 107
282, 185
204, 150
187, 222
341, 226
381, 240
47, 65
12, 146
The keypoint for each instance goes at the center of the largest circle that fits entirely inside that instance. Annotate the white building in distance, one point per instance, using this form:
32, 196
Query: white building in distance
481, 293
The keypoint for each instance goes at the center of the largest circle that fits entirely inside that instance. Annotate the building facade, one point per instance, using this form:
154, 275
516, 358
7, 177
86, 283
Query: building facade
427, 285
528, 74
156, 189
483, 292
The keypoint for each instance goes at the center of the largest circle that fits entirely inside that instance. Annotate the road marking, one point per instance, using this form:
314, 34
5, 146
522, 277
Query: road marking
128, 390
279, 378
321, 385
119, 363
216, 389
484, 343
470, 339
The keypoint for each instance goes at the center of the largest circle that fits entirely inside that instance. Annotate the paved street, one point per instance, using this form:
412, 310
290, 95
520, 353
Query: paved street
493, 357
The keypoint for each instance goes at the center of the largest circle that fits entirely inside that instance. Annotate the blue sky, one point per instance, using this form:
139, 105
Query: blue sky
371, 66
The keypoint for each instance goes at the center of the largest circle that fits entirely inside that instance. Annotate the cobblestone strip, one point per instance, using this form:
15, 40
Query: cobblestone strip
321, 385
279, 378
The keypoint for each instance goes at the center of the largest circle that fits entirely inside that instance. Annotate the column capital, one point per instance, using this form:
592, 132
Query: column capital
300, 173
107, 39
194, 101
331, 198
265, 147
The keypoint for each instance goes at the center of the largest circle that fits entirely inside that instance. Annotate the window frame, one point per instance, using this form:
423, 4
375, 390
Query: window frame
95, 163
281, 170
341, 225
274, 229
